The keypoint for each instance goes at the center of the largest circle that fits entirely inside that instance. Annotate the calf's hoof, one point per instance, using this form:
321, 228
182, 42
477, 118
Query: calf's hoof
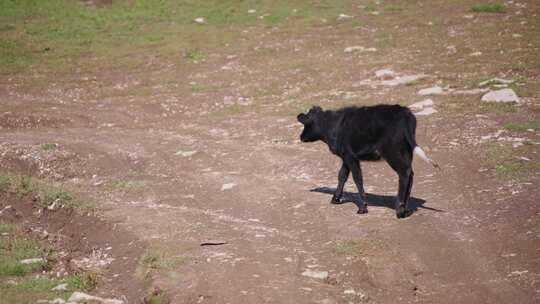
363, 209
335, 201
402, 212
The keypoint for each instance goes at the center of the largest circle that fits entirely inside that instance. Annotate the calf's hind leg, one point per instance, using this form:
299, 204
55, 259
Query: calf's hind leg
401, 163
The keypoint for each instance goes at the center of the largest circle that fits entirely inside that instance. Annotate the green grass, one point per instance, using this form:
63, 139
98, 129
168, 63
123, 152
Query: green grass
49, 146
523, 126
503, 160
14, 248
348, 248
488, 8
44, 194
52, 33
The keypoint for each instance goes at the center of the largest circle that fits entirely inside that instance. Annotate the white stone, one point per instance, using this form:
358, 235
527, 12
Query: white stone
185, 153
199, 20
426, 112
385, 74
57, 301
252, 11
81, 297
315, 274
436, 90
422, 104
32, 261
228, 186
344, 17
504, 95
358, 48
60, 287
349, 291
401, 80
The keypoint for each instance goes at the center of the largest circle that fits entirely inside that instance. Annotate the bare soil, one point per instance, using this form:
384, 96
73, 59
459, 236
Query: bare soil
179, 154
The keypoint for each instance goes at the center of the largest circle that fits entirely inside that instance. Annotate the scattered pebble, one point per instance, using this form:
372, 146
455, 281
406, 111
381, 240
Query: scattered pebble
344, 17
358, 48
60, 287
199, 20
427, 103
495, 81
32, 261
315, 274
185, 153
385, 74
252, 11
228, 186
401, 80
81, 297
426, 112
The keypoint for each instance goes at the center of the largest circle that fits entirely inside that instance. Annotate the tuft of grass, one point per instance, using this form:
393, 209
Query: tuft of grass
348, 248
501, 158
523, 126
49, 146
488, 8
157, 259
86, 281
44, 195
14, 248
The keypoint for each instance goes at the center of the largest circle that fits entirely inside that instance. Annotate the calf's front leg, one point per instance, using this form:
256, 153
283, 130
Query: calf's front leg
343, 175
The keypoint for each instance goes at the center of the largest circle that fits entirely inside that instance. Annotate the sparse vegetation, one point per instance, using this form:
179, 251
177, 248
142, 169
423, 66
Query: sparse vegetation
49, 146
348, 248
25, 283
488, 8
44, 194
504, 160
523, 126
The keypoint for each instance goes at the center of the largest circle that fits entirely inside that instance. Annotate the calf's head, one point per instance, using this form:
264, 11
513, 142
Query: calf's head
312, 126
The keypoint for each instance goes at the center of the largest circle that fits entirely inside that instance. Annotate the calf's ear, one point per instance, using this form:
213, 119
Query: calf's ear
302, 118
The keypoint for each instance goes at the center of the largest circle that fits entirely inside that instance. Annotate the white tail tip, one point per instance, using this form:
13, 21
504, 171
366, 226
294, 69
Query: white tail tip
418, 151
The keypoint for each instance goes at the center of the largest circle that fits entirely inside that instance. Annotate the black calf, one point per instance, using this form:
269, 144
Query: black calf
367, 134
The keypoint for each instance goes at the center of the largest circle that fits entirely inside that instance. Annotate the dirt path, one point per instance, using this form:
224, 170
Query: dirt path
191, 163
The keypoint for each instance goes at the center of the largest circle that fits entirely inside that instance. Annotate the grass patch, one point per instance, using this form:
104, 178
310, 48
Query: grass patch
49, 146
503, 159
157, 259
348, 248
488, 8
460, 106
523, 126
15, 247
44, 195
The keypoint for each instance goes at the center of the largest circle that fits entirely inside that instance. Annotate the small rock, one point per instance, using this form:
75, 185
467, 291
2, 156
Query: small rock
199, 20
358, 48
80, 297
227, 186
385, 74
475, 54
323, 275
426, 112
504, 95
57, 301
401, 80
343, 17
60, 287
428, 103
32, 261
252, 11
185, 153
436, 90
349, 291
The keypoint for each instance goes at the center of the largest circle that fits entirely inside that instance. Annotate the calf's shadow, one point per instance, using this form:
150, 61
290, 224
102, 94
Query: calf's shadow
377, 200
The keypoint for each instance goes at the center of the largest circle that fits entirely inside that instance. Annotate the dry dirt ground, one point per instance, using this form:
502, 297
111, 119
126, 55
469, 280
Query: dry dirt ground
179, 154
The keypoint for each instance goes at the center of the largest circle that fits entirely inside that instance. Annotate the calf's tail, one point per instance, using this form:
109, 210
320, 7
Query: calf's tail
418, 151
410, 130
